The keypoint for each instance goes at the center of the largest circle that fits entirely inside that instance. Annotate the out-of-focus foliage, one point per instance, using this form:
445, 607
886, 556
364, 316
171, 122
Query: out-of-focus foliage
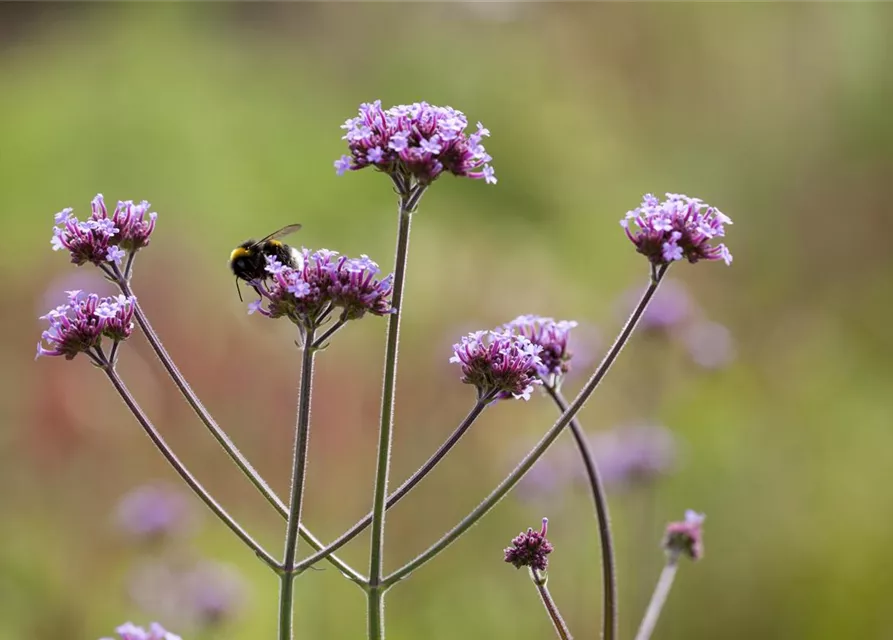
226, 117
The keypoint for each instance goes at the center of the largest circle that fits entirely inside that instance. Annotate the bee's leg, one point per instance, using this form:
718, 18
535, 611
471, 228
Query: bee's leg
239, 289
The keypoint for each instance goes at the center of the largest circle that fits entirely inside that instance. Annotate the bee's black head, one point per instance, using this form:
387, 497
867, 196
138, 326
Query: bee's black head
246, 261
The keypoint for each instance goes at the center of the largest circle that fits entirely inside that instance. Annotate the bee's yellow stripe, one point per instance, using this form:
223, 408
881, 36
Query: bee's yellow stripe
238, 252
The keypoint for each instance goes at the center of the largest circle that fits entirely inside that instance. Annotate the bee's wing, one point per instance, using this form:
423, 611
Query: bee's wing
297, 257
281, 233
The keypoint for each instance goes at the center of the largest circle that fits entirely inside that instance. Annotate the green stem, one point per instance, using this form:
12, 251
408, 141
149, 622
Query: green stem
181, 469
408, 201
404, 488
328, 333
609, 572
219, 435
375, 613
506, 485
661, 591
539, 580
302, 440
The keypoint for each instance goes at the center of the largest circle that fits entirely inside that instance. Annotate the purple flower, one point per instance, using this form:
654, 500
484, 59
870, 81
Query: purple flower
80, 325
154, 511
102, 238
342, 164
499, 364
375, 155
530, 549
418, 140
709, 344
129, 631
355, 289
685, 537
116, 255
633, 453
680, 227
552, 336
326, 281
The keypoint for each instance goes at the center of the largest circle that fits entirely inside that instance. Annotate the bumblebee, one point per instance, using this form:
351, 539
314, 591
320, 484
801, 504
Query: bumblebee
249, 260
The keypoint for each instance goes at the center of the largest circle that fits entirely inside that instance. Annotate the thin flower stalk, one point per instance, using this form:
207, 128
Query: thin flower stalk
603, 519
561, 628
302, 440
375, 605
178, 466
218, 433
661, 591
404, 488
320, 342
536, 453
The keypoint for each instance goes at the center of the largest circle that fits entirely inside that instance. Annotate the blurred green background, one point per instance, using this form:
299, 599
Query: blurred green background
226, 117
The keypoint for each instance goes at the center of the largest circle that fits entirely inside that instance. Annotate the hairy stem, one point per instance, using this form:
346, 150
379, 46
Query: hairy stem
328, 333
302, 440
542, 446
539, 580
181, 469
219, 435
609, 576
385, 435
661, 591
375, 613
404, 488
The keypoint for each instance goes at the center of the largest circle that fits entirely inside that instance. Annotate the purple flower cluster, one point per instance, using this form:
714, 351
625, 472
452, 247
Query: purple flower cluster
530, 549
418, 140
499, 364
81, 324
549, 334
686, 537
326, 280
679, 227
102, 238
129, 631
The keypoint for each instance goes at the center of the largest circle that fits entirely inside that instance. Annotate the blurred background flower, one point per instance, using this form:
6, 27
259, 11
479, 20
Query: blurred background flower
195, 595
671, 306
153, 512
633, 454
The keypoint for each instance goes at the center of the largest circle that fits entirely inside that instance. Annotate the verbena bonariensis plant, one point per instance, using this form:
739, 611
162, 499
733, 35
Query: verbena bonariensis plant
413, 145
